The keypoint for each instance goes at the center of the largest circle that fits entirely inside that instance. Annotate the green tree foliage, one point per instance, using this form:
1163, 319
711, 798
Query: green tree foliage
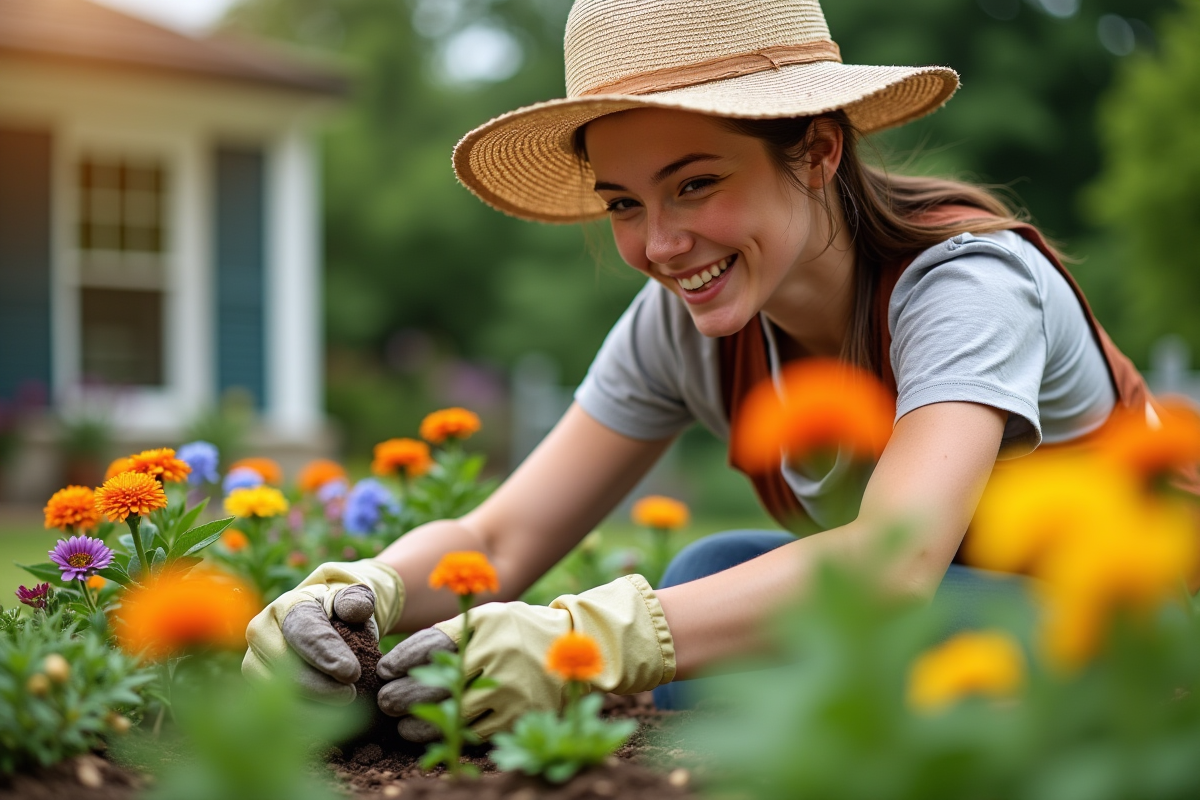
1148, 195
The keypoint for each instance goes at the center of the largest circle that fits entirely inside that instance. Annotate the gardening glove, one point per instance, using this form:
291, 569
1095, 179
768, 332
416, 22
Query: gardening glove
358, 592
509, 644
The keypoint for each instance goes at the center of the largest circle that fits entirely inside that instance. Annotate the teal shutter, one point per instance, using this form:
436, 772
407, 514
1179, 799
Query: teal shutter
240, 271
24, 261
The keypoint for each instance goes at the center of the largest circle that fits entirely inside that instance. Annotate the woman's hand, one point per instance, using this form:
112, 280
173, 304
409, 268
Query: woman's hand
509, 642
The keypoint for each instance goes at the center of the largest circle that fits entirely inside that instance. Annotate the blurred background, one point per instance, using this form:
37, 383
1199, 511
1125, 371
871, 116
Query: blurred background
237, 220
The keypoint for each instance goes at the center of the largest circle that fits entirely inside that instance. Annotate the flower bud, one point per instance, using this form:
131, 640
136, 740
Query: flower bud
57, 668
118, 723
37, 685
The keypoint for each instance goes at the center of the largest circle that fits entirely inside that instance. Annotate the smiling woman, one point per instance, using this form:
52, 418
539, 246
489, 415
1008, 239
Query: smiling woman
731, 180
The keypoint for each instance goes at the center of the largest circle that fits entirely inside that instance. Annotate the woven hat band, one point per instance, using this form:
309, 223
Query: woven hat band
767, 58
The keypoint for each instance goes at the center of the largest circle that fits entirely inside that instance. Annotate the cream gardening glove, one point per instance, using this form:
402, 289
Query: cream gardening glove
357, 592
509, 645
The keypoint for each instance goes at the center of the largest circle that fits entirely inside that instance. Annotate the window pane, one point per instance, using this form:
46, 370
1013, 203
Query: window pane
122, 338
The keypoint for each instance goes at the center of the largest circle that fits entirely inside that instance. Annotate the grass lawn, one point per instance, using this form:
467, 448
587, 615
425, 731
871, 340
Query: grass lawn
25, 543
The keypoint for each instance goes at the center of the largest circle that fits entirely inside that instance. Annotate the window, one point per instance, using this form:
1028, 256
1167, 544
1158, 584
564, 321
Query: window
122, 241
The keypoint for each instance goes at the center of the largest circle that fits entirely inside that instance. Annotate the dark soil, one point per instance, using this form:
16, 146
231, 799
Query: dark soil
364, 646
86, 777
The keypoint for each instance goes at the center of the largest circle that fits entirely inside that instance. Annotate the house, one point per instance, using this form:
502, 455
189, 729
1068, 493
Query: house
159, 228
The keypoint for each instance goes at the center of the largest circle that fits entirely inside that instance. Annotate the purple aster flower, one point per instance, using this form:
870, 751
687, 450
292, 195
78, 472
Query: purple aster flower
80, 556
365, 505
241, 478
202, 457
36, 597
332, 490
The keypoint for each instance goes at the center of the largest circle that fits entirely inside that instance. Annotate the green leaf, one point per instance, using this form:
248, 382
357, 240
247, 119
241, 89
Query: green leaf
158, 560
436, 754
483, 682
184, 564
135, 568
196, 539
116, 573
187, 520
45, 572
432, 712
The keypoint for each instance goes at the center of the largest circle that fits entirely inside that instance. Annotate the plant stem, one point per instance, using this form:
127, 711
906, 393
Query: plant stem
87, 595
573, 691
134, 521
454, 742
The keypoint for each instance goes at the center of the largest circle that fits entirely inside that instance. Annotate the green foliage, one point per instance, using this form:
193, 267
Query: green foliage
542, 743
450, 489
46, 718
445, 671
1148, 195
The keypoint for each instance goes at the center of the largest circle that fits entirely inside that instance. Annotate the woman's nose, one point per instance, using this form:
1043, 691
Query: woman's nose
665, 239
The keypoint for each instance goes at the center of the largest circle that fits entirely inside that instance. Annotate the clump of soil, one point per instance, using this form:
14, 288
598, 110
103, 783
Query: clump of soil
366, 650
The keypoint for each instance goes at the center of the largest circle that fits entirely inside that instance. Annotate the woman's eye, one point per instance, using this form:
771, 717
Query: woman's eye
696, 184
621, 204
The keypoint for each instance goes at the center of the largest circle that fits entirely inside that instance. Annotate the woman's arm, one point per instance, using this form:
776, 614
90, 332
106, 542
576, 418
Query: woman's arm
558, 494
930, 476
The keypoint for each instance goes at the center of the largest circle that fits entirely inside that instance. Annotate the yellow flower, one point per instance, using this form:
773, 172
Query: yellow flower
575, 657
465, 572
663, 513
130, 494
973, 663
449, 423
259, 501
161, 464
407, 455
73, 507
268, 468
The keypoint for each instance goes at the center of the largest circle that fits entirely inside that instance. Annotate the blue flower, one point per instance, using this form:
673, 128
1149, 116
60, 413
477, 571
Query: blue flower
332, 490
241, 478
365, 505
202, 457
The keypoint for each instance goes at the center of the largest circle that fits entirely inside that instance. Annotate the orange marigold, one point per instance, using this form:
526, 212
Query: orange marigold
975, 662
234, 540
268, 468
663, 513
96, 582
117, 466
465, 572
130, 494
204, 608
449, 423
396, 455
161, 464
825, 404
575, 657
320, 472
1155, 445
73, 508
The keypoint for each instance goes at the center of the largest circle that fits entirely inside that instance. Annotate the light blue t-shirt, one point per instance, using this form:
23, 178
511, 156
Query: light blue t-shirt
983, 319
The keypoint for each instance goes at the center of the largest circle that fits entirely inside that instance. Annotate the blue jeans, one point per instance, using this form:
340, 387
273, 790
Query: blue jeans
964, 591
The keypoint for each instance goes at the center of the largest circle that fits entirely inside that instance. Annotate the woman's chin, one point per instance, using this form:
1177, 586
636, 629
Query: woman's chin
717, 323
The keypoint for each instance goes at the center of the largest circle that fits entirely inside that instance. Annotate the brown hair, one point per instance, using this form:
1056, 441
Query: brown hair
881, 210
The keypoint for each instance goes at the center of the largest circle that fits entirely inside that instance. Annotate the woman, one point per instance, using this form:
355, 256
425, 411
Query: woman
719, 138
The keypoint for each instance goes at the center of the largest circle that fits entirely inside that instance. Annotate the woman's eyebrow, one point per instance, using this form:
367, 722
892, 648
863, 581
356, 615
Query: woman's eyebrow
662, 174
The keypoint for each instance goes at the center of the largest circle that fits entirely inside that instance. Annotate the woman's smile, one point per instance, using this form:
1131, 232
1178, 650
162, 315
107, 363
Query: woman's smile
702, 285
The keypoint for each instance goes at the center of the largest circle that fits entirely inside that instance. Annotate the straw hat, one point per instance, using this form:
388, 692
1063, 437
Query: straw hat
731, 58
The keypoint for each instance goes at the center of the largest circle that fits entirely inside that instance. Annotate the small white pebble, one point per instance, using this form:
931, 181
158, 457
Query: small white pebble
679, 778
392, 791
88, 774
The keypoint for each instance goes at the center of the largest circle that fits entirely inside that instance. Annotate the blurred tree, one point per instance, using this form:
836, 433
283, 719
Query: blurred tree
1148, 194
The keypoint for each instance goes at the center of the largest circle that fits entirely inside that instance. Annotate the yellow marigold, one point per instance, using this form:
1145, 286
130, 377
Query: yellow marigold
161, 464
204, 608
575, 657
825, 405
130, 494
1042, 502
117, 466
258, 501
268, 468
402, 455
73, 507
1135, 566
449, 423
1167, 442
234, 540
976, 662
320, 472
96, 582
660, 512
465, 572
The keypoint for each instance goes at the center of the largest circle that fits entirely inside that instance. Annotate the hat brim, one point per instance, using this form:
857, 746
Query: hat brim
523, 162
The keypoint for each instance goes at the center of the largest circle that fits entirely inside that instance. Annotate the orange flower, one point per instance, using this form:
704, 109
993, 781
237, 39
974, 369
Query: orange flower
96, 582
449, 423
1168, 441
575, 657
73, 507
826, 404
161, 464
234, 540
975, 662
201, 609
465, 572
130, 494
119, 465
320, 472
268, 468
659, 512
395, 455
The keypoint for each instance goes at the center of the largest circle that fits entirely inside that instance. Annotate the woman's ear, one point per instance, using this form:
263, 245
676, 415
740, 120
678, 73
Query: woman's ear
824, 152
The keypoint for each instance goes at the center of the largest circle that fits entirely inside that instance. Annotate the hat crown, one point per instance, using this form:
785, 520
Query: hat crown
610, 40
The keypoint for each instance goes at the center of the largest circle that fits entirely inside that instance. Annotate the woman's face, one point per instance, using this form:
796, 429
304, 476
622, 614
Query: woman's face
704, 211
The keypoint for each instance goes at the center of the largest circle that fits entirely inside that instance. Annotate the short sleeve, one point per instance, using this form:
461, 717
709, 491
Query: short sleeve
967, 325
634, 385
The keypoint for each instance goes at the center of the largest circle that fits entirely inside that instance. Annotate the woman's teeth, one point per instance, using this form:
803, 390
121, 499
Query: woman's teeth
705, 275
